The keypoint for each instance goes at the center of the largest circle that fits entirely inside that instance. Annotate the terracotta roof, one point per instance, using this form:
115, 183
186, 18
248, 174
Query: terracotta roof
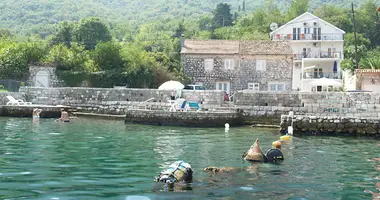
252, 47
367, 70
210, 47
265, 47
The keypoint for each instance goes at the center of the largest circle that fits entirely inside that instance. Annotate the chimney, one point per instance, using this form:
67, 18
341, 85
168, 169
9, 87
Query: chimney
182, 40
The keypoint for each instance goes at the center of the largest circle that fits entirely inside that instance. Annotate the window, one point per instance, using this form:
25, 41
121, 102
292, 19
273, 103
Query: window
199, 87
209, 64
318, 73
276, 87
317, 33
223, 85
261, 65
228, 64
254, 86
296, 33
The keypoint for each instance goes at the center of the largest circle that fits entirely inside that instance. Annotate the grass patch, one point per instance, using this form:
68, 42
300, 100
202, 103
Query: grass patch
1, 90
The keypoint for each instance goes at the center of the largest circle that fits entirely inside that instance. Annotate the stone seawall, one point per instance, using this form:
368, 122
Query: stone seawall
331, 125
108, 96
193, 119
26, 111
357, 100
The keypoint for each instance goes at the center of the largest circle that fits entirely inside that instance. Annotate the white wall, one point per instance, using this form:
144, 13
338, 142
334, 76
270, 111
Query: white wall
368, 85
296, 79
349, 80
309, 19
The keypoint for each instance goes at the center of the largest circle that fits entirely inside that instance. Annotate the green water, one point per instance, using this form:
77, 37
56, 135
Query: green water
95, 159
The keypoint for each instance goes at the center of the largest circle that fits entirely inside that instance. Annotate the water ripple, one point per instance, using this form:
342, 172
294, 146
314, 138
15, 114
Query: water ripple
98, 159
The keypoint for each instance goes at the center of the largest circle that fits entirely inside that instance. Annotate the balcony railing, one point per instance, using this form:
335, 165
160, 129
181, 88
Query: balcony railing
320, 54
311, 36
317, 75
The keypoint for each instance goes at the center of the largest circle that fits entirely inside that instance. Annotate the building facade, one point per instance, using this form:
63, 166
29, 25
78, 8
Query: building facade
368, 80
317, 50
238, 65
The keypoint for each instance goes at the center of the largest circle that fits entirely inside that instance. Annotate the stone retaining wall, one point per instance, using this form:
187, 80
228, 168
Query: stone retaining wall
106, 96
26, 111
16, 95
357, 102
194, 119
331, 125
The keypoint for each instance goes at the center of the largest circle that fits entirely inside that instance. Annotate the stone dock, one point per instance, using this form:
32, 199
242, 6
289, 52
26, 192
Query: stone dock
330, 125
316, 112
189, 118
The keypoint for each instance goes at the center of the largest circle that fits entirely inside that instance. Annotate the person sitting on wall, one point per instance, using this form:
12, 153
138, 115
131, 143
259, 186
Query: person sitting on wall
36, 113
64, 116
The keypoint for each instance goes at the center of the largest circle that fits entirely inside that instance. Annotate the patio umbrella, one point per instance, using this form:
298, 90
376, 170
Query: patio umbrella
326, 82
335, 68
171, 85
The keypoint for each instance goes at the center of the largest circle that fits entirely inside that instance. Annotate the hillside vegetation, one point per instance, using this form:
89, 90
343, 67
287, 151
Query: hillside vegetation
106, 51
37, 16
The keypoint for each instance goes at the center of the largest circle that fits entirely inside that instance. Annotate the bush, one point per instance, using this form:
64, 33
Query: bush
72, 79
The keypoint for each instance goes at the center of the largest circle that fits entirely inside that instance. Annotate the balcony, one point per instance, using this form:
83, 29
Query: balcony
311, 36
318, 75
320, 54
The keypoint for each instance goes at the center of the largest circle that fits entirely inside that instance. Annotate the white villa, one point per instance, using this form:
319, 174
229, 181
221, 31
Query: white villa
317, 52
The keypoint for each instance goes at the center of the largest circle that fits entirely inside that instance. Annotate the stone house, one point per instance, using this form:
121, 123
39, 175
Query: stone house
238, 65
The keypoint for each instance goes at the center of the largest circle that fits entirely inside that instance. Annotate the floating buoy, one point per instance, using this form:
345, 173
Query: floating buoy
285, 137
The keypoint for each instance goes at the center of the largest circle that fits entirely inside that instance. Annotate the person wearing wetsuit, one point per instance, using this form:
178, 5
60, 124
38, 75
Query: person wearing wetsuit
274, 155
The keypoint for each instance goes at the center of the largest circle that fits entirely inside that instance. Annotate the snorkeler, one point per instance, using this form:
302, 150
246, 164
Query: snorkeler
179, 171
64, 116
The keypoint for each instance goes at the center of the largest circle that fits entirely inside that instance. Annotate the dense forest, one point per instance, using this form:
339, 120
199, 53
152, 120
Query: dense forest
104, 51
39, 16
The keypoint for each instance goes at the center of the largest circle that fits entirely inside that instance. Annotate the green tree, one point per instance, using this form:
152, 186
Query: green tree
205, 23
106, 56
338, 16
13, 62
90, 31
371, 60
63, 34
349, 49
366, 18
297, 7
222, 16
5, 33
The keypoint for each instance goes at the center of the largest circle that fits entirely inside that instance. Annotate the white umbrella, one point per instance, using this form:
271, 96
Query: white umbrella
326, 82
171, 85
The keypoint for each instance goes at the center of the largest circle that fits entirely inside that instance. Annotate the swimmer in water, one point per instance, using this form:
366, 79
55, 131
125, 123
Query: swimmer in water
64, 116
36, 113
